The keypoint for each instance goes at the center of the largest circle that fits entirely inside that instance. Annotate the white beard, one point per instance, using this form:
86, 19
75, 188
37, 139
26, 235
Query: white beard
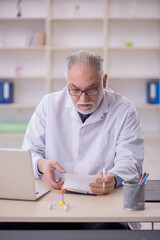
90, 110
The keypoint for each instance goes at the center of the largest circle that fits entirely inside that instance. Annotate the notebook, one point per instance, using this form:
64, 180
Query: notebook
16, 175
152, 191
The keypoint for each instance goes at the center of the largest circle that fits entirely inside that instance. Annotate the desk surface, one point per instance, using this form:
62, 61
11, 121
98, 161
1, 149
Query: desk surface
83, 208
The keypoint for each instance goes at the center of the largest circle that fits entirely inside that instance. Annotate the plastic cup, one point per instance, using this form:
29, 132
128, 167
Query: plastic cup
133, 196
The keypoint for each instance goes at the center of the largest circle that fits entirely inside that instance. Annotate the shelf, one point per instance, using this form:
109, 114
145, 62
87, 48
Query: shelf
57, 78
22, 77
133, 19
9, 135
148, 106
18, 105
152, 135
127, 77
66, 48
34, 48
77, 19
102, 26
133, 48
23, 19
16, 127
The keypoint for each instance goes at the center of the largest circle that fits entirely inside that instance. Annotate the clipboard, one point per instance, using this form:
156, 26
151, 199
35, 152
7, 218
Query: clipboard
75, 183
79, 191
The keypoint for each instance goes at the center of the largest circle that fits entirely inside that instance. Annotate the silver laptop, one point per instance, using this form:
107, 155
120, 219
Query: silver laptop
16, 175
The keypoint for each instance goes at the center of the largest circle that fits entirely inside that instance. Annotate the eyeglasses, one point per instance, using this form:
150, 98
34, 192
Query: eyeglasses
88, 92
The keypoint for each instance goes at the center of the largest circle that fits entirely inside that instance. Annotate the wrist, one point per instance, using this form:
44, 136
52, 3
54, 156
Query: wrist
115, 180
41, 165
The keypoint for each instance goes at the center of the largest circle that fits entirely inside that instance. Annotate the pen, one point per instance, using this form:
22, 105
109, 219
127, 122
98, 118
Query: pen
103, 174
144, 179
143, 175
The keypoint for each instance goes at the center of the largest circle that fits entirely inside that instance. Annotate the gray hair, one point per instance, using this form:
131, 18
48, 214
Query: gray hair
86, 59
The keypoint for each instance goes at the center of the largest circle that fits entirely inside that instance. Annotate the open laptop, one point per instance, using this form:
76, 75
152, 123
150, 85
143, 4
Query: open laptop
16, 175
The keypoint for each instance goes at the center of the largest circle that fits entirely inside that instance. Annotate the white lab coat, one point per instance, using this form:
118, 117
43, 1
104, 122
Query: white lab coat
111, 137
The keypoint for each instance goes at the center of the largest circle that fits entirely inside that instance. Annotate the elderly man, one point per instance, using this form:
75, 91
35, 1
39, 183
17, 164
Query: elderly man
84, 128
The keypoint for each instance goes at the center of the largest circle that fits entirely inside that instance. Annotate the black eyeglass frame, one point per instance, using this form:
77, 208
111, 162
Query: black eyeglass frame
83, 91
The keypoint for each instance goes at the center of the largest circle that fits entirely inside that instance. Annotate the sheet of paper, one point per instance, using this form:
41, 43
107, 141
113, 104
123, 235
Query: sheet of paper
79, 182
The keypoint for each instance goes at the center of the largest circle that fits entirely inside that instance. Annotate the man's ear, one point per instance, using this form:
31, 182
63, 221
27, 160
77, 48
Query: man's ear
105, 80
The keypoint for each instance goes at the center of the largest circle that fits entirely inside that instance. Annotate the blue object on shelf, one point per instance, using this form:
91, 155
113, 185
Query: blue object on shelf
153, 92
1, 92
6, 92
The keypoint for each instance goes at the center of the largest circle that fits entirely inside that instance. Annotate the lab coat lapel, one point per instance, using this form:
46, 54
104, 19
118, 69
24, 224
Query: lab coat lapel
72, 110
100, 113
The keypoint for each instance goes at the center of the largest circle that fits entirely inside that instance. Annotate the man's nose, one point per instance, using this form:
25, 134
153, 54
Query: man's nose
83, 97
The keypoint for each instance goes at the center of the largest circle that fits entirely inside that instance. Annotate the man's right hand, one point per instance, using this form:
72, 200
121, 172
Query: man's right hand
48, 167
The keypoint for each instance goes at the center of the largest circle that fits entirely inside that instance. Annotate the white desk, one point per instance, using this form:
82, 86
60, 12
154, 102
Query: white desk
108, 208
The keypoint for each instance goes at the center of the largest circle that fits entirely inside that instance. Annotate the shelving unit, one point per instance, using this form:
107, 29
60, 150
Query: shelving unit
103, 26
130, 68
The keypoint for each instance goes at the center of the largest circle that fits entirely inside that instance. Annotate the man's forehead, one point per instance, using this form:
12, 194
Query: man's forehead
93, 84
83, 77
81, 68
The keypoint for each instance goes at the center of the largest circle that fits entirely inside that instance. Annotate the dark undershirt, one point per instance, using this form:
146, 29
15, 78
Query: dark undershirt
84, 116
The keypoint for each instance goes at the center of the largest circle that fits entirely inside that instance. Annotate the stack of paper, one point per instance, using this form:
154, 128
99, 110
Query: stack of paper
79, 183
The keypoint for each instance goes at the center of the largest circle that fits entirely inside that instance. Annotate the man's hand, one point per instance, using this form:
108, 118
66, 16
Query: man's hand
108, 179
48, 167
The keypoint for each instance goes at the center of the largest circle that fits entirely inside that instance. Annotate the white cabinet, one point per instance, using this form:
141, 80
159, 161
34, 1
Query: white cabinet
74, 25
22, 56
133, 54
125, 33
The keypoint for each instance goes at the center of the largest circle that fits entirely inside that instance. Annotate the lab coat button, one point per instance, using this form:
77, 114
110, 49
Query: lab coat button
102, 117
